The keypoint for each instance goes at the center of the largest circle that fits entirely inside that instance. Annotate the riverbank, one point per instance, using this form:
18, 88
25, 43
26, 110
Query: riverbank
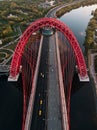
64, 10
92, 25
93, 75
90, 40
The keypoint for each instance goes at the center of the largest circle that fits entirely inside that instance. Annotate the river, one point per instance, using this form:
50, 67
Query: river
83, 112
77, 20
10, 105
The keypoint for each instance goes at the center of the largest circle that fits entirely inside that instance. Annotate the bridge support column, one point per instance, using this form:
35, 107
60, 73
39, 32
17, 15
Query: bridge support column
14, 79
11, 78
82, 78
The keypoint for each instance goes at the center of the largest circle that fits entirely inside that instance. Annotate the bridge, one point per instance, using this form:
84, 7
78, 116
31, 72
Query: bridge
47, 66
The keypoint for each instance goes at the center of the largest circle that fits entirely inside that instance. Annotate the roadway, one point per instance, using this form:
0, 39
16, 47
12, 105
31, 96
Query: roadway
54, 121
47, 111
39, 112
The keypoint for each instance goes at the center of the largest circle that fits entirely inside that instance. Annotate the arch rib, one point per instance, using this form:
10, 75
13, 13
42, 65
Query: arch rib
52, 22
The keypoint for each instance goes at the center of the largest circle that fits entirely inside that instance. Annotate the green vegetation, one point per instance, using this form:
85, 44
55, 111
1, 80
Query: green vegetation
15, 16
4, 54
7, 52
64, 10
11, 46
92, 25
89, 39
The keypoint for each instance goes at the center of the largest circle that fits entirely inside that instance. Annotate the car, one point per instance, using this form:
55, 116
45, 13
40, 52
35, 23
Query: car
41, 102
40, 112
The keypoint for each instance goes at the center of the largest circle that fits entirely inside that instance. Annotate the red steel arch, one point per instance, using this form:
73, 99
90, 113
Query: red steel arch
52, 22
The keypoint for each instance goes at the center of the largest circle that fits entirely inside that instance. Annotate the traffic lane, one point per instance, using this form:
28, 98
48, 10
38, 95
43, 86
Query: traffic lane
38, 118
53, 115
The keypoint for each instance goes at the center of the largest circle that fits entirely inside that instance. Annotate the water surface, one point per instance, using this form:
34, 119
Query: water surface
77, 20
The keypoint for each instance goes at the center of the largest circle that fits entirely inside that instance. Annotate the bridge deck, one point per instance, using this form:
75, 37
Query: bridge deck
53, 116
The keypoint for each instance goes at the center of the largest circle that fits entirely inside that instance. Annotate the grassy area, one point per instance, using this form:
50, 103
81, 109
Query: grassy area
16, 16
2, 55
12, 46
6, 51
92, 25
